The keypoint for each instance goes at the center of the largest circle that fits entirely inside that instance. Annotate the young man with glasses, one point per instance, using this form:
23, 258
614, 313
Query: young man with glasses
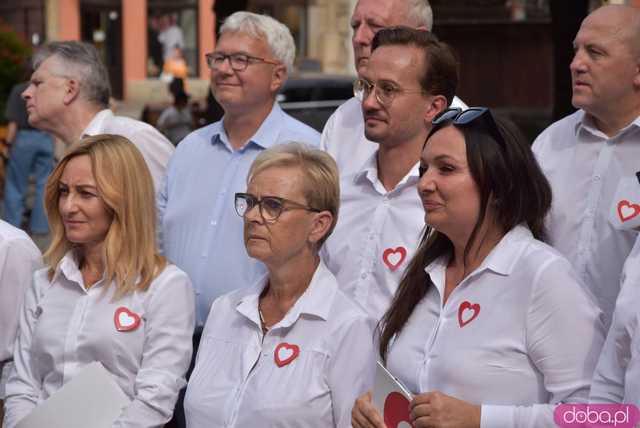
343, 136
410, 78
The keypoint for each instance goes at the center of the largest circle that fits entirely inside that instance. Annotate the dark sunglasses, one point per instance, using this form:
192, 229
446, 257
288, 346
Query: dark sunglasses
459, 117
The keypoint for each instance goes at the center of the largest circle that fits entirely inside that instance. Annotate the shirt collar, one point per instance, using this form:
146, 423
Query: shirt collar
96, 124
501, 260
585, 123
69, 267
369, 172
266, 135
315, 301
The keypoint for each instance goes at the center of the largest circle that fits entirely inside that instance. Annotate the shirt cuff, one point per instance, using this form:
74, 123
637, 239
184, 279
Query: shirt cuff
496, 416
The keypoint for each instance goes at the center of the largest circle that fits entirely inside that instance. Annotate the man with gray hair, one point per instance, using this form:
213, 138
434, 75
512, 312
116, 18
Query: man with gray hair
343, 135
200, 230
69, 97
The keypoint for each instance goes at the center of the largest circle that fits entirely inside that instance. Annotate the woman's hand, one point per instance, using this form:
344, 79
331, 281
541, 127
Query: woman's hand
438, 410
364, 414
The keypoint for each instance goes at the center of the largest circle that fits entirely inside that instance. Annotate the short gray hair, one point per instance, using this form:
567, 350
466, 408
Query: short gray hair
320, 177
82, 61
277, 34
420, 11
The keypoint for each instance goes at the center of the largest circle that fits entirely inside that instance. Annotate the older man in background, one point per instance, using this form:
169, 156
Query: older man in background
343, 135
587, 154
69, 97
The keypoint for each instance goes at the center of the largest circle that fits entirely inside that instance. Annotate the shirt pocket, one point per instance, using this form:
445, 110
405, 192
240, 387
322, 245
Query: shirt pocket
294, 387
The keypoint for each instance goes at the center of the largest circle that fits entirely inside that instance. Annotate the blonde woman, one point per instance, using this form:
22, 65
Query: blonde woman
291, 350
105, 295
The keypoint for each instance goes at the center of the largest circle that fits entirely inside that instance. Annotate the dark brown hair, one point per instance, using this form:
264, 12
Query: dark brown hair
507, 173
441, 71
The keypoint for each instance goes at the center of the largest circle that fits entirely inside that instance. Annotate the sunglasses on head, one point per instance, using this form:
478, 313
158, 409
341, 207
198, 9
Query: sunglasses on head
460, 117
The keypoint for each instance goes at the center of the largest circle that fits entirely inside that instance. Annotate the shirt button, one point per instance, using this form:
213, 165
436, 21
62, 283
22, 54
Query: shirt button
596, 178
363, 276
214, 222
371, 238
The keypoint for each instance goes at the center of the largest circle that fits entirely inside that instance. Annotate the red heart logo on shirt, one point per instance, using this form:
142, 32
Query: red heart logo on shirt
126, 320
467, 312
396, 411
627, 210
285, 353
393, 257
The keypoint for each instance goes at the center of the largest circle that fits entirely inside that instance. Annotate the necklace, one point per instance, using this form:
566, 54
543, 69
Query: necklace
263, 324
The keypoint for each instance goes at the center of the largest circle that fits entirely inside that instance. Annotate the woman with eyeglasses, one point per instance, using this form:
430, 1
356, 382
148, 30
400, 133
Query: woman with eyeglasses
490, 326
106, 294
291, 350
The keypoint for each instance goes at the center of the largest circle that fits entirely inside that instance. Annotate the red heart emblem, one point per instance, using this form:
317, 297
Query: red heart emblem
285, 353
627, 210
126, 320
467, 312
396, 411
393, 257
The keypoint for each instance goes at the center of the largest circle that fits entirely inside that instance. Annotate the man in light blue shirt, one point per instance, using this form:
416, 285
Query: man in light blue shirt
200, 231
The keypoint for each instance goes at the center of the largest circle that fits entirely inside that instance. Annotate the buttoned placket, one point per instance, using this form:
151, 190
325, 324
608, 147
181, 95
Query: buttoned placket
443, 319
253, 359
593, 199
75, 328
371, 254
223, 194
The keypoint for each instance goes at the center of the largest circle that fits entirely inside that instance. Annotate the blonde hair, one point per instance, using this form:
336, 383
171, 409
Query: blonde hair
124, 183
320, 178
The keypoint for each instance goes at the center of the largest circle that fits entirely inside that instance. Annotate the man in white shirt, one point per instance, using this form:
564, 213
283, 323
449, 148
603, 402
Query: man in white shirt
409, 79
343, 135
19, 259
69, 97
586, 154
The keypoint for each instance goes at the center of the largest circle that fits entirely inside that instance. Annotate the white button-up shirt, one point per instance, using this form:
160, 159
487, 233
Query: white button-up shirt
64, 327
343, 136
238, 383
584, 167
517, 333
617, 376
154, 146
19, 259
376, 236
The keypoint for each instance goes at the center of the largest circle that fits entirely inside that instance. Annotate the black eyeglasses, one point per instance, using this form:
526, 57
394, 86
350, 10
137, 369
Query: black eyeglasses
270, 206
238, 61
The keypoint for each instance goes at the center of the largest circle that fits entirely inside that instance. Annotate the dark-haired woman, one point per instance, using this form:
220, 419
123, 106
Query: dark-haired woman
490, 326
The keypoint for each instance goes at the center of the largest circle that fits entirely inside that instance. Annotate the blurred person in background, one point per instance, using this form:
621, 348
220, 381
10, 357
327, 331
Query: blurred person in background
31, 153
137, 309
291, 350
69, 97
176, 121
343, 135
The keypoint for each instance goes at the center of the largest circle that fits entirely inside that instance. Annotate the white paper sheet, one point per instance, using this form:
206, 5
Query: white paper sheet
92, 399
